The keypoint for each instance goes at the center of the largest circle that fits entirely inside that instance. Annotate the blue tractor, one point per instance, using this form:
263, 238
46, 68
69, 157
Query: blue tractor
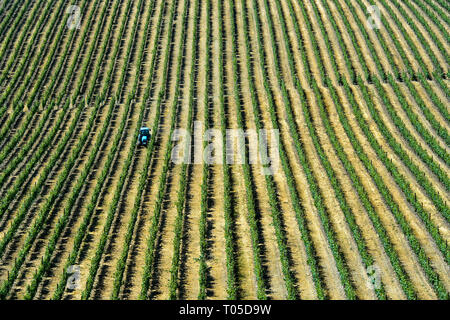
144, 136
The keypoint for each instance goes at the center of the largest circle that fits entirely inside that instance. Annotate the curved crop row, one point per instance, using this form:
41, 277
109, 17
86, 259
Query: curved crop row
418, 149
4, 204
24, 126
398, 149
437, 9
415, 245
19, 70
400, 48
46, 260
121, 264
14, 51
441, 131
79, 236
43, 213
305, 163
12, 13
23, 175
396, 42
46, 207
361, 58
418, 33
16, 103
442, 108
312, 38
149, 257
416, 122
296, 202
425, 24
346, 209
381, 69
350, 68
125, 170
403, 278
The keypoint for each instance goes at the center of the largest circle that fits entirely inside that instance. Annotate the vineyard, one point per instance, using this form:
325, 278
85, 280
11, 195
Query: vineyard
350, 201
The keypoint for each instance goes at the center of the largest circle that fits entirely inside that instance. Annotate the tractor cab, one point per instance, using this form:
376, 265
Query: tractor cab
144, 136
